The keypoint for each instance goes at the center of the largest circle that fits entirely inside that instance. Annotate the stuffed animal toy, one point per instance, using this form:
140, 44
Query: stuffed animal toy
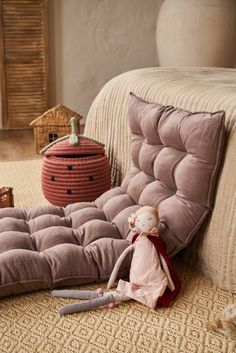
226, 325
152, 281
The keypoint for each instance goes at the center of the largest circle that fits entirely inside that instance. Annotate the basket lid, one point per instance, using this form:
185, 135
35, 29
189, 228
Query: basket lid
85, 146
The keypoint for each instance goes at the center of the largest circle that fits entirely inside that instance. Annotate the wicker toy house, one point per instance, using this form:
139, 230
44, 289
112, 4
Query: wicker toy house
53, 124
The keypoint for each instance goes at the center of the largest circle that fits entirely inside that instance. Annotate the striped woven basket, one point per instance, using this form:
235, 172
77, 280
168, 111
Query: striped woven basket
73, 173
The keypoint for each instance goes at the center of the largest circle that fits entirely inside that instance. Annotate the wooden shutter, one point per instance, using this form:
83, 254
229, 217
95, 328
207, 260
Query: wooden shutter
24, 83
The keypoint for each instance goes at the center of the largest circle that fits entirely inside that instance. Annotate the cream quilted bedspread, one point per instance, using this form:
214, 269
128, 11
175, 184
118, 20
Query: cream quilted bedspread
195, 89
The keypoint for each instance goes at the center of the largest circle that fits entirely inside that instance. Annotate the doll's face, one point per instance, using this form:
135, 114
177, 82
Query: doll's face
145, 222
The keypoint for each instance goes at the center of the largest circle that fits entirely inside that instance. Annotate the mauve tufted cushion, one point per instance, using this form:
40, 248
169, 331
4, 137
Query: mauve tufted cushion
176, 156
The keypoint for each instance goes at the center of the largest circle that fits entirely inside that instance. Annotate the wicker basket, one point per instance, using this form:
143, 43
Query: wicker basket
53, 124
6, 197
73, 173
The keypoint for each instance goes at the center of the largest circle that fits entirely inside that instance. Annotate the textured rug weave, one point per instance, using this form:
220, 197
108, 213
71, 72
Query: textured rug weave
30, 323
25, 178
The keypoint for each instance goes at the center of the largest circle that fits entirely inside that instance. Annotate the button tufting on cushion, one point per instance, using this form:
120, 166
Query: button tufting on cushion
176, 156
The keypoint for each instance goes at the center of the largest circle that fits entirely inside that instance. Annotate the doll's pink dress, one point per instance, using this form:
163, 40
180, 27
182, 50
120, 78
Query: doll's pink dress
148, 281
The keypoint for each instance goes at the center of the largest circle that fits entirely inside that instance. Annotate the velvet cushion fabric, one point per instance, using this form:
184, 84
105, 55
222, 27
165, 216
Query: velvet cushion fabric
176, 157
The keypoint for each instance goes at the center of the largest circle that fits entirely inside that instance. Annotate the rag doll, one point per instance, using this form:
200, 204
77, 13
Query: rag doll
226, 325
152, 280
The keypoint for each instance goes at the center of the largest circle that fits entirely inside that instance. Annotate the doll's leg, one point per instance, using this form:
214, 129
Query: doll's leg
107, 298
86, 305
78, 294
119, 297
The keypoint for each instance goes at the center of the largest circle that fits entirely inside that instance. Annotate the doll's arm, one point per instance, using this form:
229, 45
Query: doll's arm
117, 266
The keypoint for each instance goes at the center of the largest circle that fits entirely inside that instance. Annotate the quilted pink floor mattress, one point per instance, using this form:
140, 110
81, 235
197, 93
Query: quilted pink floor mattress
176, 157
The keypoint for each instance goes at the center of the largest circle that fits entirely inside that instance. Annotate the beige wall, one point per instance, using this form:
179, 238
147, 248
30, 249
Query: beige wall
203, 36
91, 41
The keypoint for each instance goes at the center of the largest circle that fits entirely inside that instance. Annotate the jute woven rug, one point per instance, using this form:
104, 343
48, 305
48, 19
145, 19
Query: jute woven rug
25, 178
30, 323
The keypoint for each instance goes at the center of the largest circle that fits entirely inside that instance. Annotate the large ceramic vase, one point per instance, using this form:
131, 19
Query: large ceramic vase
197, 33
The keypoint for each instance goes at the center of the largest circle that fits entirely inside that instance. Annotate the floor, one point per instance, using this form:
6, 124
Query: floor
17, 144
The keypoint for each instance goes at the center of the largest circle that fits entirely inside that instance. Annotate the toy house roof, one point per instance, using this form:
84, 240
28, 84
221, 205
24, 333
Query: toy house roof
54, 116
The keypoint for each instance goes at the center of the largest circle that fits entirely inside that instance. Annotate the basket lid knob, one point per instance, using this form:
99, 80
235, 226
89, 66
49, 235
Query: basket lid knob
74, 136
71, 140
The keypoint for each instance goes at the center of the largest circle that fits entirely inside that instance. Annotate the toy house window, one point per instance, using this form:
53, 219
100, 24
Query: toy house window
52, 137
